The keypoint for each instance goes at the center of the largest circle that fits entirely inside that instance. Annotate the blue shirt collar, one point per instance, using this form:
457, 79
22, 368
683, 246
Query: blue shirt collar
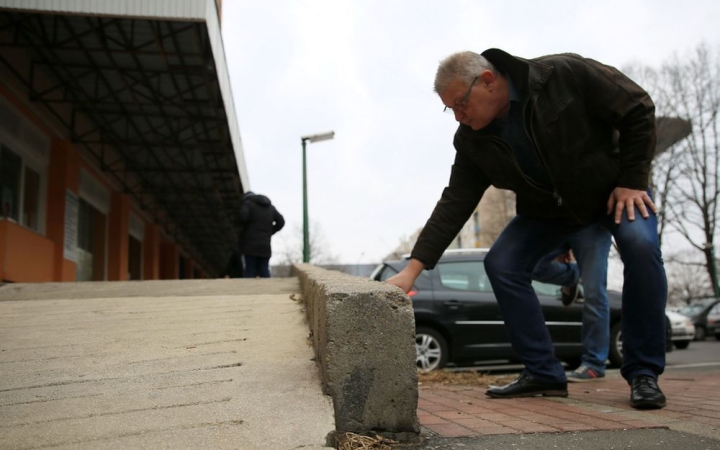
514, 97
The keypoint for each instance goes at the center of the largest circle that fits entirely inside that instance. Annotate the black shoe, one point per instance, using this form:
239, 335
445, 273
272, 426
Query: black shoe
645, 393
527, 386
570, 294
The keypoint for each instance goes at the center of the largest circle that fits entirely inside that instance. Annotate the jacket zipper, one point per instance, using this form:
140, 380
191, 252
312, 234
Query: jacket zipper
533, 139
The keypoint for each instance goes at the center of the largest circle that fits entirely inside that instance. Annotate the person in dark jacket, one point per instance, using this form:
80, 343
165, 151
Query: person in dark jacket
259, 221
573, 138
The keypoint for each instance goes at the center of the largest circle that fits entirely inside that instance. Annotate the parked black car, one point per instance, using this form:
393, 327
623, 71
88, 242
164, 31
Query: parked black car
458, 320
713, 321
698, 312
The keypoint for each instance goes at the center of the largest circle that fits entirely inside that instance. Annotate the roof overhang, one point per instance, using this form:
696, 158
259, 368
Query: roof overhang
143, 86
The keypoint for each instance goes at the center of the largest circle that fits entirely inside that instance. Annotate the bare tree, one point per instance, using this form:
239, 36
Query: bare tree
290, 250
692, 92
670, 133
686, 278
496, 208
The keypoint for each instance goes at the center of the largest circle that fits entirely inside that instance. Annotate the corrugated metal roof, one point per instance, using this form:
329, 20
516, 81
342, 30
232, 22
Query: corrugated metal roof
201, 10
216, 43
178, 9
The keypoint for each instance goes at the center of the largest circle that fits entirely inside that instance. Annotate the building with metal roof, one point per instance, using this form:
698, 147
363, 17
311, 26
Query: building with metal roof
120, 154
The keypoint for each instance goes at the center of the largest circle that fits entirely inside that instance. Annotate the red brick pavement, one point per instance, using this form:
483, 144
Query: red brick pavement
459, 411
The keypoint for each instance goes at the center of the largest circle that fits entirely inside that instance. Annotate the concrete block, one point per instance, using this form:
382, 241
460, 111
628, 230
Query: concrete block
363, 333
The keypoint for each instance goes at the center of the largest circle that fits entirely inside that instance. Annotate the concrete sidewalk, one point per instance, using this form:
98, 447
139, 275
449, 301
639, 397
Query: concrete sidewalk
222, 364
159, 364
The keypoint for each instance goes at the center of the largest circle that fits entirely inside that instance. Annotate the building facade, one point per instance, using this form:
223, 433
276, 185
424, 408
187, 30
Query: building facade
120, 155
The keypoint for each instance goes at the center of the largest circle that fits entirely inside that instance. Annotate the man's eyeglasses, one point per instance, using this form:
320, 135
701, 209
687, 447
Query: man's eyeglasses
461, 103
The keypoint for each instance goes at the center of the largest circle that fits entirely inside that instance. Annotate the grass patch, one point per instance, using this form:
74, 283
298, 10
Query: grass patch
465, 378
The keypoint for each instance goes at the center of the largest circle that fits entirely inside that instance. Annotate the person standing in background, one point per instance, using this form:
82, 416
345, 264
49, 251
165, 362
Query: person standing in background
590, 248
259, 220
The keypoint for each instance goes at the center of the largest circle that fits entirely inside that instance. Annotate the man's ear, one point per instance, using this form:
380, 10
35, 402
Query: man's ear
487, 77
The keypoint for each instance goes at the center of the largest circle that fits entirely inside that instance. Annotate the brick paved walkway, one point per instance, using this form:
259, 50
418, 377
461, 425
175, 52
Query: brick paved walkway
459, 411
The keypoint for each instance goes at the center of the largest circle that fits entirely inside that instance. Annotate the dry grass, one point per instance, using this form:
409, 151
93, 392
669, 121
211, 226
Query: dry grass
352, 441
463, 378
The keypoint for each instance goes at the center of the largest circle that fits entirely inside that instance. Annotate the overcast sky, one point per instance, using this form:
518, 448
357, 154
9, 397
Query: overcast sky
365, 70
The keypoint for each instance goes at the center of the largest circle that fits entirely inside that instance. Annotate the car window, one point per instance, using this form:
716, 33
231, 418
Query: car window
471, 276
693, 309
386, 273
690, 310
464, 276
715, 311
546, 289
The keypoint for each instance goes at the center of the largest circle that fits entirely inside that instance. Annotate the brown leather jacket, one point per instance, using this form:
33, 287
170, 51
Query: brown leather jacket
574, 108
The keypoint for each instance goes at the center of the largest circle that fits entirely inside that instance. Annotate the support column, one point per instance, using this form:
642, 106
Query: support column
189, 269
63, 175
169, 260
118, 237
151, 252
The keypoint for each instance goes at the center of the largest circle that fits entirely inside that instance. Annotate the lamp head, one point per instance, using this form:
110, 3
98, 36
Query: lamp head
319, 137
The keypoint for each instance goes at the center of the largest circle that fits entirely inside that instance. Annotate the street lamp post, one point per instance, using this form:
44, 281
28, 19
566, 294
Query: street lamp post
306, 230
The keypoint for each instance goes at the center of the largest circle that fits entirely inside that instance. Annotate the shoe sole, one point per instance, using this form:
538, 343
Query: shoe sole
552, 393
648, 405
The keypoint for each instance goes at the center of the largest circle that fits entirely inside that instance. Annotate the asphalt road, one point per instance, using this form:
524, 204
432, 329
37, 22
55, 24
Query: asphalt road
698, 354
705, 352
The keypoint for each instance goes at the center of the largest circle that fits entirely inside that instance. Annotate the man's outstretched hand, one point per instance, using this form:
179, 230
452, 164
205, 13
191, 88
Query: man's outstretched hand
406, 277
625, 199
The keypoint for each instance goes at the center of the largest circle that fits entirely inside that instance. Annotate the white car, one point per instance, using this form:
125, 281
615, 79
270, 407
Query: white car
683, 330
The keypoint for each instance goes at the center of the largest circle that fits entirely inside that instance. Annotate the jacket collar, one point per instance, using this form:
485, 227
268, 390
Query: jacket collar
528, 75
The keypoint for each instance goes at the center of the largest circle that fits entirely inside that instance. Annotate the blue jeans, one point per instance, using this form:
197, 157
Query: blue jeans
257, 266
591, 246
526, 241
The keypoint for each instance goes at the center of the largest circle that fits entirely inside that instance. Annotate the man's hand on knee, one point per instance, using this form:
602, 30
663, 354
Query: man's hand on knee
625, 199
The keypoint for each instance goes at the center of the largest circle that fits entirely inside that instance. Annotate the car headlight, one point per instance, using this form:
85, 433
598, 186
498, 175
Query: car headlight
682, 323
687, 323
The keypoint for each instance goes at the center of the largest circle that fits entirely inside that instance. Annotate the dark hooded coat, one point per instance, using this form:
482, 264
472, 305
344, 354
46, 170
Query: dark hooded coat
259, 221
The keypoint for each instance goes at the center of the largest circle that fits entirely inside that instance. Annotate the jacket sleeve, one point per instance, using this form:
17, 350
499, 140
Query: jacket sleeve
457, 203
278, 221
615, 98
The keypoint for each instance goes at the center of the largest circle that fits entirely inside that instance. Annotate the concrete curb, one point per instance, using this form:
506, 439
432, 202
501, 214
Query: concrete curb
363, 333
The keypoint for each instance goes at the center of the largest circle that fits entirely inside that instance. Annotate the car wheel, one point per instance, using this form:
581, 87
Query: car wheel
700, 333
431, 348
682, 345
615, 355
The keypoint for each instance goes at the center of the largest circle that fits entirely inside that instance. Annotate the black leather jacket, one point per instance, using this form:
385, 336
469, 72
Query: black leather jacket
574, 110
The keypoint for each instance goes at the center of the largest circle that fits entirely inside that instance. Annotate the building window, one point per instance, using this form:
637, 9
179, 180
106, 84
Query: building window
10, 172
31, 200
20, 190
91, 231
134, 259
